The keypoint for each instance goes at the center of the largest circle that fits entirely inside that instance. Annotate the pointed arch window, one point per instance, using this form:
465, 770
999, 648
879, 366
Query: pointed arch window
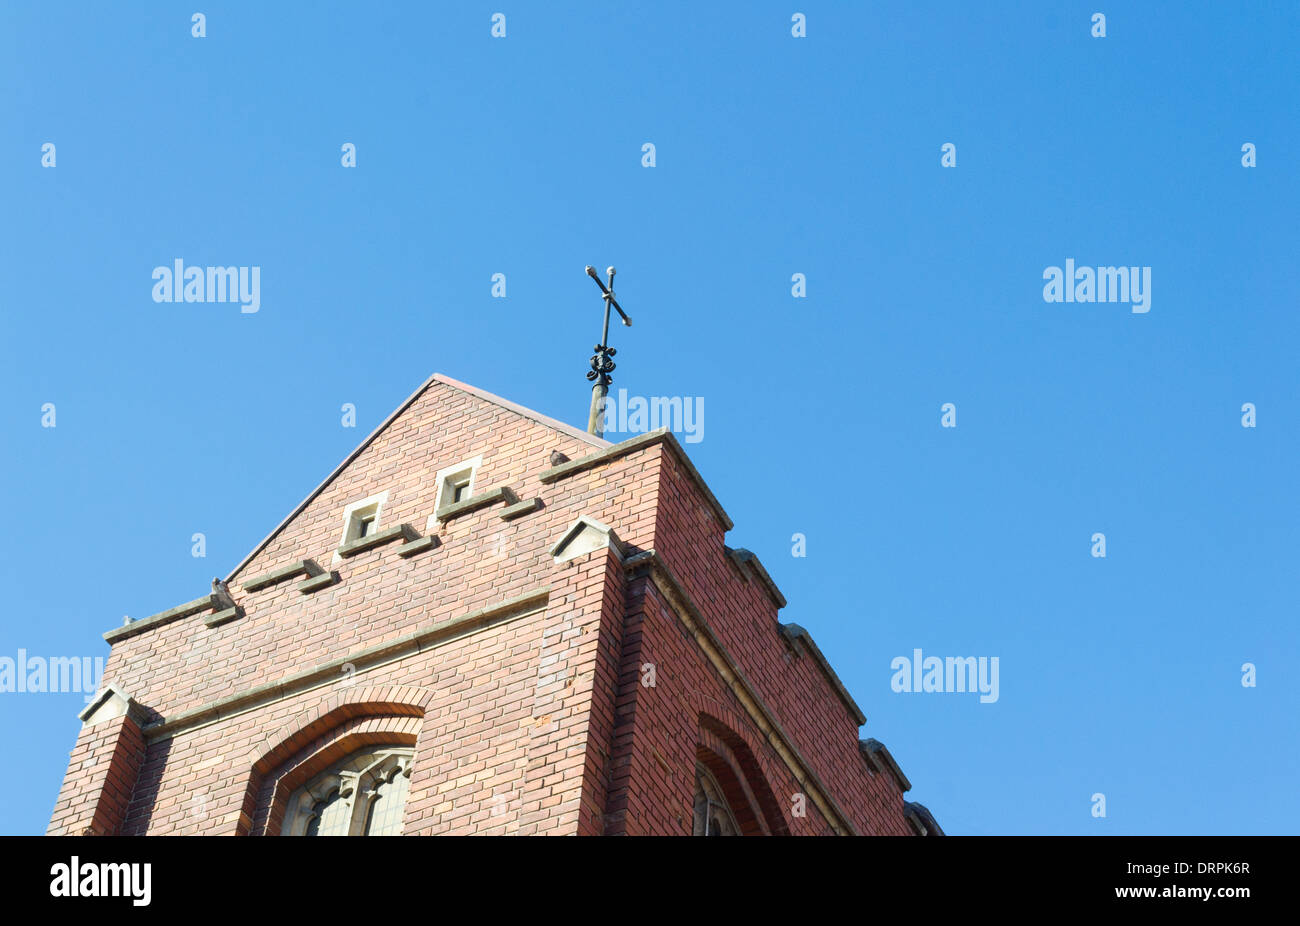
363, 795
713, 815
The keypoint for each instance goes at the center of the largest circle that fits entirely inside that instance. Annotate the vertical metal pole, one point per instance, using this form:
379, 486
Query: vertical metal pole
597, 417
600, 391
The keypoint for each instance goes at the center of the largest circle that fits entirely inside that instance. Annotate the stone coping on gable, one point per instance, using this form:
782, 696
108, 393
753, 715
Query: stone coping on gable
518, 409
747, 561
439, 378
921, 819
802, 639
874, 751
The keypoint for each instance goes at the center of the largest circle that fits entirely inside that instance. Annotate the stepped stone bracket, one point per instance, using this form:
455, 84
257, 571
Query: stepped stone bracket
224, 616
316, 583
501, 494
519, 509
400, 532
417, 546
302, 567
224, 609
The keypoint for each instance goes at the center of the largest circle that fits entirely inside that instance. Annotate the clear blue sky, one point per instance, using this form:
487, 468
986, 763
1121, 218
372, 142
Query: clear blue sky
775, 156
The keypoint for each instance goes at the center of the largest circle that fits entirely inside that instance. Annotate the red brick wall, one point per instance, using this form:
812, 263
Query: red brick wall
531, 725
745, 619
101, 777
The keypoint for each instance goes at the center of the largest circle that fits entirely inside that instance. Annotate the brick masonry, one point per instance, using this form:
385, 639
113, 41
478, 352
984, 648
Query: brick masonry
514, 674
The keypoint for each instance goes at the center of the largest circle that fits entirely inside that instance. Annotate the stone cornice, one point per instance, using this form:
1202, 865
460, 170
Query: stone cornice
330, 673
206, 603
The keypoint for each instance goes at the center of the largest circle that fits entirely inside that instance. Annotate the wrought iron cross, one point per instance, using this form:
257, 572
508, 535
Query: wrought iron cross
602, 363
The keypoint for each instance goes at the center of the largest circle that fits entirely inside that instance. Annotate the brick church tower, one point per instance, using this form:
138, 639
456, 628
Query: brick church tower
484, 622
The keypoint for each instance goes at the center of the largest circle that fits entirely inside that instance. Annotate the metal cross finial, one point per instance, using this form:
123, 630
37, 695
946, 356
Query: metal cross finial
602, 363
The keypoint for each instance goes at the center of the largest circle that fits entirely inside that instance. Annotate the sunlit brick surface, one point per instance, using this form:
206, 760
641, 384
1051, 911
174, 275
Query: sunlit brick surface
536, 723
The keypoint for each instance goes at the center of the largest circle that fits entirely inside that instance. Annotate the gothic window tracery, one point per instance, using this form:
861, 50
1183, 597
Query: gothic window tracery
713, 815
363, 795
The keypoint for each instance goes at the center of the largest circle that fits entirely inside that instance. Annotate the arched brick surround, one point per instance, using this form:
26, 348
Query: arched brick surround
724, 753
337, 726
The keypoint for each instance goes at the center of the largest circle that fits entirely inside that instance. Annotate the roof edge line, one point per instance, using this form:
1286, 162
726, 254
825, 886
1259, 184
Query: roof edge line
356, 452
518, 409
873, 749
793, 632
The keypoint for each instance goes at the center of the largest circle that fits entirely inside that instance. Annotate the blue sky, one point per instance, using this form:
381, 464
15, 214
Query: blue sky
774, 156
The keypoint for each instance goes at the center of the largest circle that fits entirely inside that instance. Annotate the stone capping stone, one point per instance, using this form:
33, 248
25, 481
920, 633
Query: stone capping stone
920, 817
802, 642
401, 531
694, 620
874, 751
206, 603
633, 445
748, 564
110, 703
585, 535
217, 618
328, 673
419, 545
306, 567
316, 583
519, 509
474, 503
